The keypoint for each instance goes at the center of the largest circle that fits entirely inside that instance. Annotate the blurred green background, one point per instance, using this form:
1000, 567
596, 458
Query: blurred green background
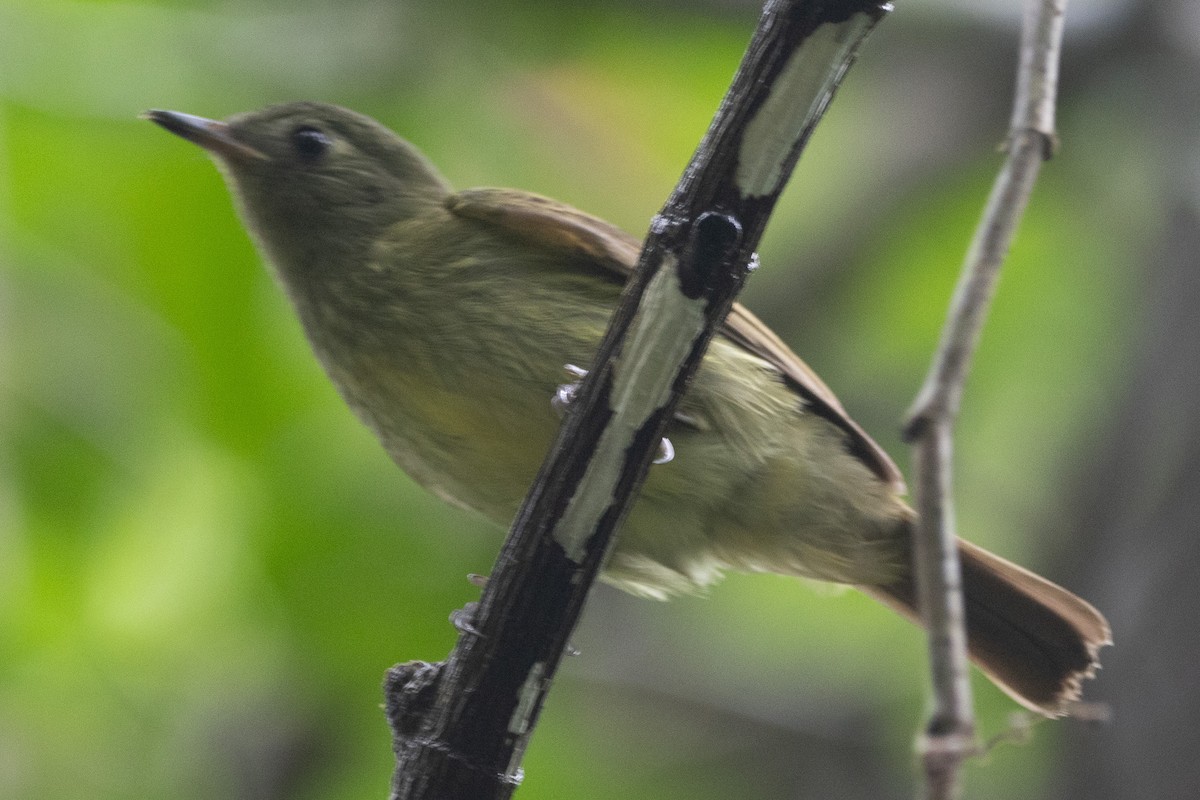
206, 564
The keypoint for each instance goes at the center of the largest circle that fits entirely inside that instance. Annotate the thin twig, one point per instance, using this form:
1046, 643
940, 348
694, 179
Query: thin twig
949, 736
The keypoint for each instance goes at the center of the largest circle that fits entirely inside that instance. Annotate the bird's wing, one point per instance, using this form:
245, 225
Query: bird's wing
557, 226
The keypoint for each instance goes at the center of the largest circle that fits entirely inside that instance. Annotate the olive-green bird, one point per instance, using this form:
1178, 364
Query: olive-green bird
446, 319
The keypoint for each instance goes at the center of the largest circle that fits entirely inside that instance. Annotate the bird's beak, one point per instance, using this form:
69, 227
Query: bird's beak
211, 134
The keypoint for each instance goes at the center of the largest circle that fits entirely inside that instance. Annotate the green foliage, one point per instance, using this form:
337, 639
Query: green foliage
206, 565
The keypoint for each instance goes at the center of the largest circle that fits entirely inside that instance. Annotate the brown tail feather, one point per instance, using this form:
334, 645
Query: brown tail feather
1035, 640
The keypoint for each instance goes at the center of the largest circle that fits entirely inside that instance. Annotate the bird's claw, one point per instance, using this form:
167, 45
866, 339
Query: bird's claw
463, 619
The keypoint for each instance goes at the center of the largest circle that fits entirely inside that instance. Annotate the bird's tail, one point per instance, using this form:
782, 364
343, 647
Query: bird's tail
1034, 639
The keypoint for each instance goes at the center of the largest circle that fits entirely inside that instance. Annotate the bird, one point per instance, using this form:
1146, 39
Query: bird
446, 319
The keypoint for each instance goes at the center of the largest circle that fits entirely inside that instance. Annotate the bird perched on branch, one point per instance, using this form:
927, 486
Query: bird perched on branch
445, 319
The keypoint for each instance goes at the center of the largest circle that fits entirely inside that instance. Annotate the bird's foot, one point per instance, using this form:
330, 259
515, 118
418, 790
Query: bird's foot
565, 394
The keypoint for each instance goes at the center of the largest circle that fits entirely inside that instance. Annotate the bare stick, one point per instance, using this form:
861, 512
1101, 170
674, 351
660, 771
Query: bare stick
949, 735
460, 728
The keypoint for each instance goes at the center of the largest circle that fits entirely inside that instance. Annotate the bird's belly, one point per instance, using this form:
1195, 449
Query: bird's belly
474, 449
789, 505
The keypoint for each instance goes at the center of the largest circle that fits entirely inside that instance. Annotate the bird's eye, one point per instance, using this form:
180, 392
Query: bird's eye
310, 143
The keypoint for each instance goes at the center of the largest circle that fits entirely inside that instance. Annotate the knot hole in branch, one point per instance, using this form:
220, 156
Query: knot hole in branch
410, 690
712, 241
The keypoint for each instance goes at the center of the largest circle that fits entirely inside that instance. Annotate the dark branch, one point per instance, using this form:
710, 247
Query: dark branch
460, 731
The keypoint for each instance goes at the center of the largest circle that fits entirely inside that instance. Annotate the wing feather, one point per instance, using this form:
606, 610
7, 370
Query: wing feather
558, 226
